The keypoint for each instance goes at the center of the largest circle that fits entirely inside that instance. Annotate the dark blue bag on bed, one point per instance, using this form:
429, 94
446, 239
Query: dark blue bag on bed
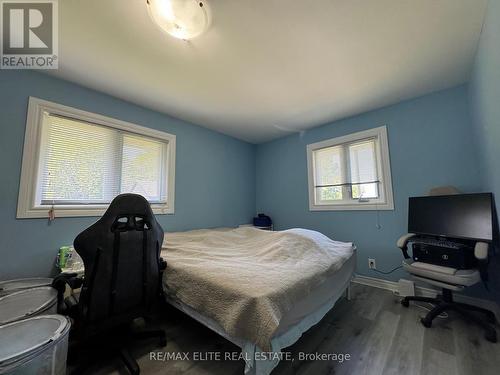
262, 220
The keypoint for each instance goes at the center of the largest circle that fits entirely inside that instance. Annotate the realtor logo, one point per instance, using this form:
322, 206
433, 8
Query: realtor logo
29, 34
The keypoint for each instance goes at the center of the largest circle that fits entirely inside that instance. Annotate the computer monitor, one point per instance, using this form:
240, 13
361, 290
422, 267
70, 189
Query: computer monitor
461, 216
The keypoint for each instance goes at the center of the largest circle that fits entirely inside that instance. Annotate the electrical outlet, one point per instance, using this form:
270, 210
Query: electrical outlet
371, 264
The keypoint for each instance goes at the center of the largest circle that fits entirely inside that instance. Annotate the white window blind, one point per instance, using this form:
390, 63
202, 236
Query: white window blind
142, 167
351, 172
87, 164
364, 173
330, 174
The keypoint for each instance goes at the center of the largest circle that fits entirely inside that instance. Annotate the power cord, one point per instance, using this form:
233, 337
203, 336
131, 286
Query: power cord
429, 307
386, 273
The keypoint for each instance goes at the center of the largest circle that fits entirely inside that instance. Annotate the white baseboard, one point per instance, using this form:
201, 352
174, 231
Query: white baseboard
427, 292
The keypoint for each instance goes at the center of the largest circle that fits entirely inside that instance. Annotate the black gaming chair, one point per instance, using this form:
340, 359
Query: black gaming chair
121, 254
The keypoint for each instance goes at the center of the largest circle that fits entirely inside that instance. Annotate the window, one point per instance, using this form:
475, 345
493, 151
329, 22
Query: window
350, 172
76, 162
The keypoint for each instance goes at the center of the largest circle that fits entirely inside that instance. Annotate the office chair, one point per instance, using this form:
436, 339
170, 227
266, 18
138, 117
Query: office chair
449, 280
121, 254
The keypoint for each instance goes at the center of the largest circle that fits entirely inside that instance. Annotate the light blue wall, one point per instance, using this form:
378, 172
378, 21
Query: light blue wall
215, 174
485, 98
484, 93
430, 145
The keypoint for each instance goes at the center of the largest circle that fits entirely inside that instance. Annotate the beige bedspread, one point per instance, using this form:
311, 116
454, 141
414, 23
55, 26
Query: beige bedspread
246, 279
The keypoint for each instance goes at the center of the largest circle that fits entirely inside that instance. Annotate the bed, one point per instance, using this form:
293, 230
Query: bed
259, 289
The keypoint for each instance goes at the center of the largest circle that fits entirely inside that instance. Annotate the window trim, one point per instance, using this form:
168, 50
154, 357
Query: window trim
385, 164
27, 206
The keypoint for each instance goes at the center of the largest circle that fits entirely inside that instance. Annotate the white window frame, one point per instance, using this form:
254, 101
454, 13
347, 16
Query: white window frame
27, 206
386, 202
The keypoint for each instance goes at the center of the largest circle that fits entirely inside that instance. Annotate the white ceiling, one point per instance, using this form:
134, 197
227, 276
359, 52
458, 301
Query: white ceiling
266, 68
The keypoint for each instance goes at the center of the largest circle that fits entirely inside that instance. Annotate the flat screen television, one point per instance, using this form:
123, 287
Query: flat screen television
461, 216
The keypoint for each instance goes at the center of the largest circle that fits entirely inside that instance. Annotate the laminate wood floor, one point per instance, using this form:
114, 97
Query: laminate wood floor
380, 335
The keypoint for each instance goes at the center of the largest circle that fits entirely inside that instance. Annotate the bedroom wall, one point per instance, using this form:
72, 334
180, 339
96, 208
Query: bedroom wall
484, 97
484, 94
430, 145
215, 174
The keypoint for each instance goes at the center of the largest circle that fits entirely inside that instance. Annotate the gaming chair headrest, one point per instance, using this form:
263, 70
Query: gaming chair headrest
128, 203
129, 212
125, 213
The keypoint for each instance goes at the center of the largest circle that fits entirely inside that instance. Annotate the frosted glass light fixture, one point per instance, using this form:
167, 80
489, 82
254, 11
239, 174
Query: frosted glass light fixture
183, 19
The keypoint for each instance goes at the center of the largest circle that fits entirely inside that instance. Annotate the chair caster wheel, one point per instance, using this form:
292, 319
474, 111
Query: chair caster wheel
405, 302
426, 323
491, 336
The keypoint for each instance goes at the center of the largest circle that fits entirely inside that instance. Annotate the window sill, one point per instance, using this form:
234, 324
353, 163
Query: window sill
71, 211
353, 207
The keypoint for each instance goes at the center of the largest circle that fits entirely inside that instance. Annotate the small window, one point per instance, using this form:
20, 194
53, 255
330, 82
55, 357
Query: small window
76, 162
351, 172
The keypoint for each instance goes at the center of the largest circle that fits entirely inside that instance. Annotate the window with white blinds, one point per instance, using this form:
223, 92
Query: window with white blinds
350, 172
76, 162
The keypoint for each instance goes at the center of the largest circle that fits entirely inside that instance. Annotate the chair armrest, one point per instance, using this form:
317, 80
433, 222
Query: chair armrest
402, 243
70, 279
403, 240
481, 250
481, 254
59, 283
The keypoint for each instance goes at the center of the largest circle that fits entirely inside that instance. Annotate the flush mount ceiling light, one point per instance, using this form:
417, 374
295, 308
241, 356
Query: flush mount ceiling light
183, 19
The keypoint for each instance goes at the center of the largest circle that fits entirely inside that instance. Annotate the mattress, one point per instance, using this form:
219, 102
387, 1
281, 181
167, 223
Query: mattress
305, 314
333, 286
248, 280
330, 290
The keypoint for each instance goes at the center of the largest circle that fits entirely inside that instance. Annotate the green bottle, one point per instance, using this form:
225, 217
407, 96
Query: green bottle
63, 256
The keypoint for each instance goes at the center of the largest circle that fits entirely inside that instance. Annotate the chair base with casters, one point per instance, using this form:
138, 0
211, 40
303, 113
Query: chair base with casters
84, 352
449, 279
445, 302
